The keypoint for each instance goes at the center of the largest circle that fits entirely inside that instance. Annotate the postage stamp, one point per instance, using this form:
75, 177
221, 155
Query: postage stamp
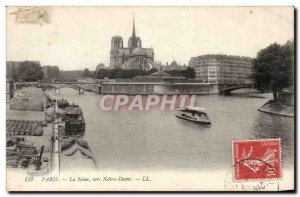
256, 159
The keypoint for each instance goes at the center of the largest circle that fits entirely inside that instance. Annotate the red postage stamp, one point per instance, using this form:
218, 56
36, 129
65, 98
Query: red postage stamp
257, 159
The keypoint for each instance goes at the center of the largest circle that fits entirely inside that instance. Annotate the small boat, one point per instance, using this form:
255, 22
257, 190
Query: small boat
193, 114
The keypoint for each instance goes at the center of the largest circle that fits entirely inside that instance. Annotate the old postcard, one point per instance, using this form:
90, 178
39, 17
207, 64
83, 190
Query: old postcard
150, 99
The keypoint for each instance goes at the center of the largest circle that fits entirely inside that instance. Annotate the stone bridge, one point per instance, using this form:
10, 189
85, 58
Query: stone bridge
77, 85
225, 89
142, 87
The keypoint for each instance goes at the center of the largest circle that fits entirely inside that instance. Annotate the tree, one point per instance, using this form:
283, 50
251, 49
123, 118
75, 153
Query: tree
273, 68
30, 71
86, 73
122, 73
14, 72
189, 73
100, 66
176, 73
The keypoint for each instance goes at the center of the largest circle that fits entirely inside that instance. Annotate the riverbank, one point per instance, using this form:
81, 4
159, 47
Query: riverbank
75, 153
28, 136
28, 99
276, 108
36, 142
251, 93
21, 132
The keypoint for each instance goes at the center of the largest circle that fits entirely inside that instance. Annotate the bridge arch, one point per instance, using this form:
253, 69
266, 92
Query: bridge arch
91, 87
227, 90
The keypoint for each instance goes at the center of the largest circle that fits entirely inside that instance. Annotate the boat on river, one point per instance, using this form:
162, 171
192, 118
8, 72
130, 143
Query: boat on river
193, 114
74, 121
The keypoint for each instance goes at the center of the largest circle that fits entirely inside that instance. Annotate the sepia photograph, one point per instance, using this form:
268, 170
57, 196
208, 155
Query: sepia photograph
171, 98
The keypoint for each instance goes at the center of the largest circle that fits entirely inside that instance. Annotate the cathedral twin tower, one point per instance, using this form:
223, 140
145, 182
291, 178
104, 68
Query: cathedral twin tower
133, 57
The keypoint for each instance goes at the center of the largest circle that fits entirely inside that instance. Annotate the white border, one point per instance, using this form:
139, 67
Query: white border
107, 3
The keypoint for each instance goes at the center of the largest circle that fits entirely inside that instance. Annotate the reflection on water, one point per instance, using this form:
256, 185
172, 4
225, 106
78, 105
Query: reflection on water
123, 140
279, 127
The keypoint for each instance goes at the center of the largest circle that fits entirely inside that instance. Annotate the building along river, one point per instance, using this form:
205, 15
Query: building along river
157, 140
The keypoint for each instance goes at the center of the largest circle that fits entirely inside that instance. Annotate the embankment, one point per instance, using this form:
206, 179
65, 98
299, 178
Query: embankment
276, 108
28, 99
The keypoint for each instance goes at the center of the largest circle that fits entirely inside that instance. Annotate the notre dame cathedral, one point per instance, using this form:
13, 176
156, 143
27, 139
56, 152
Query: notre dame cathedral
133, 57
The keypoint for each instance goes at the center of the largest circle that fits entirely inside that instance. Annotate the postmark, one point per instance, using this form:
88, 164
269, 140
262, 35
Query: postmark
256, 159
257, 185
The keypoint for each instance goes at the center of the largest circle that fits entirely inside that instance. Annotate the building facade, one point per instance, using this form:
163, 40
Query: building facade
173, 66
133, 57
222, 69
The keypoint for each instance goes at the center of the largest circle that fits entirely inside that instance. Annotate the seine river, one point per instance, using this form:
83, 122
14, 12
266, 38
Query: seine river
157, 140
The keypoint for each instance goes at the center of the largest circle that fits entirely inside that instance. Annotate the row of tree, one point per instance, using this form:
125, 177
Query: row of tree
121, 73
274, 68
32, 71
189, 73
27, 71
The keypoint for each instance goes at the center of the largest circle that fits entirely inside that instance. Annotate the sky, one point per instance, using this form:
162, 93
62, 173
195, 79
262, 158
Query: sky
80, 37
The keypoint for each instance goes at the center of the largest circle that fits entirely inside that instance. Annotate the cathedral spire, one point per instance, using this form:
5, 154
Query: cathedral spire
133, 28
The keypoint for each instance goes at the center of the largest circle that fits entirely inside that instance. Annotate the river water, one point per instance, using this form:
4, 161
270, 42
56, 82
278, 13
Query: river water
157, 140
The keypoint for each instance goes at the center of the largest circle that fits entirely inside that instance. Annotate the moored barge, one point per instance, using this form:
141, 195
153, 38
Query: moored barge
74, 121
